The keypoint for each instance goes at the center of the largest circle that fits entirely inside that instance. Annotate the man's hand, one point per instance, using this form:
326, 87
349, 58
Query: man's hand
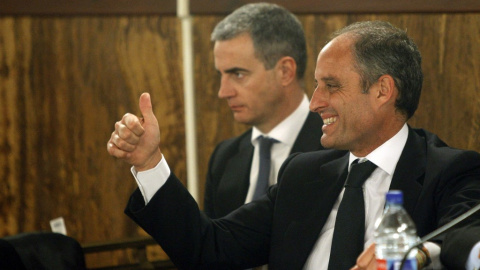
137, 140
366, 260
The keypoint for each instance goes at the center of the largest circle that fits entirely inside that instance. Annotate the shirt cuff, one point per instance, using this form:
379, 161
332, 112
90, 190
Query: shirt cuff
473, 261
150, 181
434, 253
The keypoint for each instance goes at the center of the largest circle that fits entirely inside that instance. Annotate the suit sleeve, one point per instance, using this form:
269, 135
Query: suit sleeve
210, 187
459, 190
192, 240
457, 246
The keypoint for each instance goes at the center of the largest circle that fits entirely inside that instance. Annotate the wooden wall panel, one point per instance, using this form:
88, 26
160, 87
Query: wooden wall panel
63, 84
64, 81
12, 53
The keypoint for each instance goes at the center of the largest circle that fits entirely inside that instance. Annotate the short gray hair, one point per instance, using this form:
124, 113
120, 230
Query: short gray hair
275, 32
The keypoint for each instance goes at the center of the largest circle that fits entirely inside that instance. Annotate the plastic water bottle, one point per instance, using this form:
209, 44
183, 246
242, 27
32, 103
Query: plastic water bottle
394, 234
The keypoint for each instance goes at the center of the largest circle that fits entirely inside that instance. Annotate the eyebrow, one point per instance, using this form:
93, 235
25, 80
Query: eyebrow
329, 79
235, 70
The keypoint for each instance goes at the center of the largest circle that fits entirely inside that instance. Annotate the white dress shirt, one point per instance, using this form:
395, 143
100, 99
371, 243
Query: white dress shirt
473, 261
285, 133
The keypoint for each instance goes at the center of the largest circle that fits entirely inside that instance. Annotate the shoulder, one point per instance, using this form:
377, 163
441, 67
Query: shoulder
448, 163
240, 146
320, 156
439, 151
310, 162
234, 143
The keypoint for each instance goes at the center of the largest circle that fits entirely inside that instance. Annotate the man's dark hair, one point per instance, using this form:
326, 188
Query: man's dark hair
380, 48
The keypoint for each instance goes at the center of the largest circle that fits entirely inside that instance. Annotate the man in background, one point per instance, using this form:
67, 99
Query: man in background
260, 54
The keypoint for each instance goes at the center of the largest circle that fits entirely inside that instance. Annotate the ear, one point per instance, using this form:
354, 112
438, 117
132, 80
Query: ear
386, 91
287, 70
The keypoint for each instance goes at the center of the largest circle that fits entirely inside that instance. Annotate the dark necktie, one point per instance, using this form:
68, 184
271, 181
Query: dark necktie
264, 169
349, 232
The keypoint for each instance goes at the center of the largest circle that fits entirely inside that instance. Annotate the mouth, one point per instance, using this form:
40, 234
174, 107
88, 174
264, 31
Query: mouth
232, 105
329, 121
235, 108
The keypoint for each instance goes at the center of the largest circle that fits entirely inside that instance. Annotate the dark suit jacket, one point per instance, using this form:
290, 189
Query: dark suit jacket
281, 228
458, 244
41, 251
226, 191
9, 258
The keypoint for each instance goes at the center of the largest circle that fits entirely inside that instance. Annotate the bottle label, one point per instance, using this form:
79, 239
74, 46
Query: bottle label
393, 264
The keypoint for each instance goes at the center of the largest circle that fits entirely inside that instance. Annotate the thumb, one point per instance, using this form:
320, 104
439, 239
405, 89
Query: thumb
145, 105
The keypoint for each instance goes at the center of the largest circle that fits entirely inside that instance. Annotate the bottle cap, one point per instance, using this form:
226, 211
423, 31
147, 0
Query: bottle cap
394, 197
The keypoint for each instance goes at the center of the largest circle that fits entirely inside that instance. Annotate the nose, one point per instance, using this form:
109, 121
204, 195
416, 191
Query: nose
226, 89
319, 100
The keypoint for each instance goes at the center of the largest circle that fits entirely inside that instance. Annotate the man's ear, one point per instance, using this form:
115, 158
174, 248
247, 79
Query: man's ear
386, 91
287, 70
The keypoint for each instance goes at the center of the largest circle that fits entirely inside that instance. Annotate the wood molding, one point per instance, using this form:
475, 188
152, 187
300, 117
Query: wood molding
344, 6
203, 7
88, 7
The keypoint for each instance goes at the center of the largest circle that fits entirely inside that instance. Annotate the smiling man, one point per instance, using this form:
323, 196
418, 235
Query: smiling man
369, 81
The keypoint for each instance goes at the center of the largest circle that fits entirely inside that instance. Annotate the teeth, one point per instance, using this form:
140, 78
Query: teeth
328, 121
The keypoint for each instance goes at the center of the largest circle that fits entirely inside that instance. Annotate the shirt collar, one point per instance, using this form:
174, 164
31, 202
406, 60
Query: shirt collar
287, 131
386, 156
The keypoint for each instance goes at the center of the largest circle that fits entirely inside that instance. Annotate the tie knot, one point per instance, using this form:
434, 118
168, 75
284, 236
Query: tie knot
265, 145
359, 173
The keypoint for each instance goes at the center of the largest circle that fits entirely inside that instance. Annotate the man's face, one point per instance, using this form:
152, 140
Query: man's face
347, 113
253, 93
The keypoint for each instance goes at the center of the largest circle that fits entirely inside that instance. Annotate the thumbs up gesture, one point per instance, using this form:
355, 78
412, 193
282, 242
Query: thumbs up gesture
137, 140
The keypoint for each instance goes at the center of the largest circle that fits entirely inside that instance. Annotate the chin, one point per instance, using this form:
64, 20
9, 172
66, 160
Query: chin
243, 121
324, 141
329, 144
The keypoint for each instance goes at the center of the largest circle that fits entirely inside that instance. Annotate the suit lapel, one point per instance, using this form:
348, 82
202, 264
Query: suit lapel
302, 234
233, 188
410, 171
